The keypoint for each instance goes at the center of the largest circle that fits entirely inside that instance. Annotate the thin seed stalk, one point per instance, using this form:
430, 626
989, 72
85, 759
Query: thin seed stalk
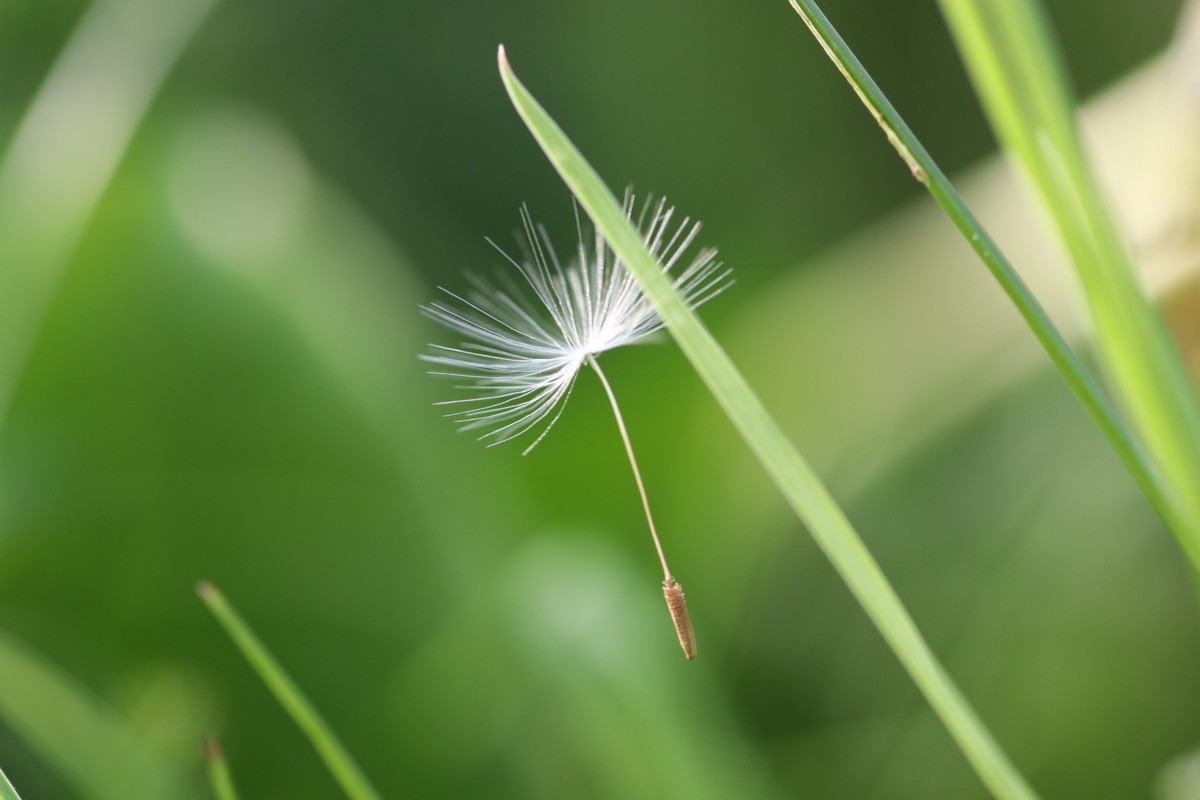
672, 591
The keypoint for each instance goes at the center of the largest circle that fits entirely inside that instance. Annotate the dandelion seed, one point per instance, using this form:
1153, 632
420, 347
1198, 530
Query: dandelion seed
527, 337
677, 605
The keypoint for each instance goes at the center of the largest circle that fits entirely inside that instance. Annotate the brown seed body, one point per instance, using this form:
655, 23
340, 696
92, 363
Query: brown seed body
677, 605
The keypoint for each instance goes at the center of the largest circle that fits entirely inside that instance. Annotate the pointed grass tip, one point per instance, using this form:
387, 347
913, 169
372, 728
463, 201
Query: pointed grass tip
502, 58
206, 591
212, 748
677, 605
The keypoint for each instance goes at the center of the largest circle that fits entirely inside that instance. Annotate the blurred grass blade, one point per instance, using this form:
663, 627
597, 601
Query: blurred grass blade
1089, 394
795, 479
7, 792
218, 770
347, 773
81, 740
68, 146
1018, 75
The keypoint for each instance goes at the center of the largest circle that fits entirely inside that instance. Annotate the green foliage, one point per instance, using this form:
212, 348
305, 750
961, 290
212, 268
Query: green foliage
87, 743
348, 774
1018, 75
800, 486
926, 170
7, 792
207, 367
219, 777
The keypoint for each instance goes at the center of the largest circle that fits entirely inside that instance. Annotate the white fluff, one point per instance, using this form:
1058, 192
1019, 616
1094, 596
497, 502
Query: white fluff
523, 349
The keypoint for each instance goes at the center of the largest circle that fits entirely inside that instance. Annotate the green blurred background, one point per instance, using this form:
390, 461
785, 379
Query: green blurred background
211, 373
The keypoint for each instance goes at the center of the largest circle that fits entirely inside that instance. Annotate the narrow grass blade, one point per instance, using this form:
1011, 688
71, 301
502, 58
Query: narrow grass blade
799, 485
75, 734
68, 146
347, 773
1019, 78
1089, 394
218, 770
7, 792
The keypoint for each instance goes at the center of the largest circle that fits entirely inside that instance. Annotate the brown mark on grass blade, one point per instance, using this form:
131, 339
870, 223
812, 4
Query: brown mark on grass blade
677, 605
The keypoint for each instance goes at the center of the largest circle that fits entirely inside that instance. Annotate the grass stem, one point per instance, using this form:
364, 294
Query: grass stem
1095, 402
793, 476
7, 792
345, 771
218, 770
1021, 82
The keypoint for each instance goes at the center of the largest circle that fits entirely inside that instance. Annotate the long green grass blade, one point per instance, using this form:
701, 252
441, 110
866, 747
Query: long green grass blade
1089, 394
347, 773
219, 777
64, 153
795, 479
75, 734
1021, 82
7, 792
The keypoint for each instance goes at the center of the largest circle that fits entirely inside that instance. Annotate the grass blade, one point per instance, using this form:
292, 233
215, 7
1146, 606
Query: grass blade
798, 483
7, 792
1019, 78
64, 153
1089, 394
75, 734
218, 770
347, 773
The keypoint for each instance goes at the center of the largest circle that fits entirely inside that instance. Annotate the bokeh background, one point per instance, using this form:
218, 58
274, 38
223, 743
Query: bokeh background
209, 371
